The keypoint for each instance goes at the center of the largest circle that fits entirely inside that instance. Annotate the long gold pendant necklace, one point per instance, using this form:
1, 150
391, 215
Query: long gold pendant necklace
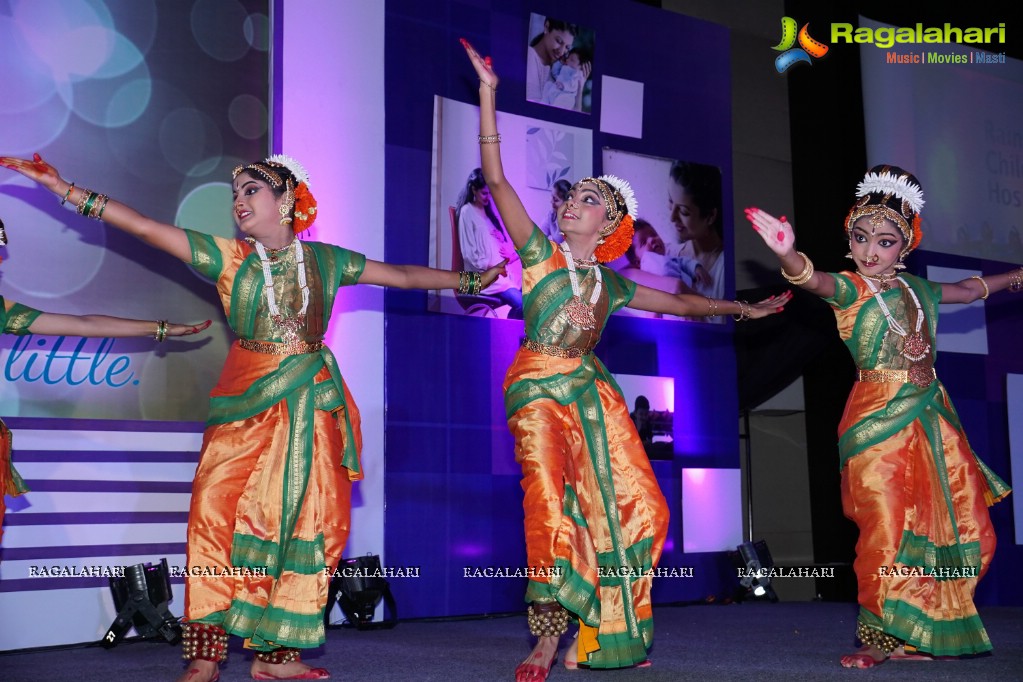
915, 347
581, 314
287, 327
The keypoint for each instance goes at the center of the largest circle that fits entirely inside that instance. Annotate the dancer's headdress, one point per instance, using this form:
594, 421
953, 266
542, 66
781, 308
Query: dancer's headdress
621, 205
295, 184
889, 192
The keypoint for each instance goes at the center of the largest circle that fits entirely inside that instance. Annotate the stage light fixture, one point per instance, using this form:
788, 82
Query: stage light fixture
754, 563
359, 586
141, 598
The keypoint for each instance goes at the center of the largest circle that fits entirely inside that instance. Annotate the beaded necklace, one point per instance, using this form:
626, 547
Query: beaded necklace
580, 314
287, 326
914, 347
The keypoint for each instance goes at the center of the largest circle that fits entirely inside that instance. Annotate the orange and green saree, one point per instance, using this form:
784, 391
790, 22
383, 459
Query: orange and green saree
596, 520
271, 496
910, 481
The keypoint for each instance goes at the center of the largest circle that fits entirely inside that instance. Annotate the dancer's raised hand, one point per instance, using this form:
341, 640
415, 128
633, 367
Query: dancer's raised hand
777, 233
483, 65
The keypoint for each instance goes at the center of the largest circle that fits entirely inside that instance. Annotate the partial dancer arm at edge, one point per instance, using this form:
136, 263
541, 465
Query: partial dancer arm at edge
166, 237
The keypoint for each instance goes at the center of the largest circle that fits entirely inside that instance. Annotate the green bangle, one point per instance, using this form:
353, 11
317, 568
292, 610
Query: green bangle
87, 208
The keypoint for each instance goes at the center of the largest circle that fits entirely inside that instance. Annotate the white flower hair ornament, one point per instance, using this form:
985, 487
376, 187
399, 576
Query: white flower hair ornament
297, 169
623, 188
896, 185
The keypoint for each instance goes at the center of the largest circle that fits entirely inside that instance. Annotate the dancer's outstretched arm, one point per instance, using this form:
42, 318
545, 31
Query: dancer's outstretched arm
976, 287
57, 324
690, 305
166, 237
419, 277
513, 213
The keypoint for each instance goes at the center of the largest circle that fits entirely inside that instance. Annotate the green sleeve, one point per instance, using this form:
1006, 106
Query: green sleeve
207, 255
536, 250
620, 290
845, 291
350, 265
17, 318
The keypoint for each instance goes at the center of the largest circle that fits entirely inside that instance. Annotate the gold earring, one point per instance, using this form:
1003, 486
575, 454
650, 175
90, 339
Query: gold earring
850, 256
286, 206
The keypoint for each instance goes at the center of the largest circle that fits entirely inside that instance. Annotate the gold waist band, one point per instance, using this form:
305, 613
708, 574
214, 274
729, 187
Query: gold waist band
556, 351
271, 348
892, 376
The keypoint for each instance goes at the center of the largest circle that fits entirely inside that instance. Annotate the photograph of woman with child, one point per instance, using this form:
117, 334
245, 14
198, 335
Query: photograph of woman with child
559, 62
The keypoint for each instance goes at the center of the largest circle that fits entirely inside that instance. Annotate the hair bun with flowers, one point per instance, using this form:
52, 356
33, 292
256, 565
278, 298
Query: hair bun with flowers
297, 169
621, 209
625, 192
305, 203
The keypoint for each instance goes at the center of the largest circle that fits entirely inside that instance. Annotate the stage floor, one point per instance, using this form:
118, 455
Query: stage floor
753, 641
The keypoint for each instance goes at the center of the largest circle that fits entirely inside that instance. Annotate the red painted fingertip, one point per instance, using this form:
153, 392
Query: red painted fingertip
782, 220
488, 61
37, 157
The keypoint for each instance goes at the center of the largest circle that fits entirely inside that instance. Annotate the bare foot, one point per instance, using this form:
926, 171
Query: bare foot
200, 671
865, 657
537, 666
572, 655
292, 670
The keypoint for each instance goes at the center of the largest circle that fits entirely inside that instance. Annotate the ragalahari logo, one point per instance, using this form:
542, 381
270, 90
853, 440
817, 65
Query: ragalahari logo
808, 50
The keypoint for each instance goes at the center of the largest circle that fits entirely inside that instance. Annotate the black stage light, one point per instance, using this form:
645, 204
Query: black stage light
754, 563
358, 586
141, 599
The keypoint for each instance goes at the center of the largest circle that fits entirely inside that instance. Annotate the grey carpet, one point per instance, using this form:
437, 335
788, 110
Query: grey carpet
752, 641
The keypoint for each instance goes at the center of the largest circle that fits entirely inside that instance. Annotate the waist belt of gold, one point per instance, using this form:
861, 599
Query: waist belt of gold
890, 376
271, 348
556, 351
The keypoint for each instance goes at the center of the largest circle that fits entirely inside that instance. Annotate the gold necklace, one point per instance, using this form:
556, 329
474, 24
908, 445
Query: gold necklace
580, 314
885, 280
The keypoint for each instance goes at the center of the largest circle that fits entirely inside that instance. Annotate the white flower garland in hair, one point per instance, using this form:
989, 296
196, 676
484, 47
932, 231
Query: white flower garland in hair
297, 169
896, 185
625, 189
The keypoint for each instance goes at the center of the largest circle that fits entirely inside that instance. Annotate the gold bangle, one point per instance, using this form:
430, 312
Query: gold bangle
1016, 281
712, 307
987, 292
161, 330
490, 139
804, 276
744, 311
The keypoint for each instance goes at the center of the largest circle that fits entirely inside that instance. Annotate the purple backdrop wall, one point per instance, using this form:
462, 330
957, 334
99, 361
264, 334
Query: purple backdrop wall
452, 486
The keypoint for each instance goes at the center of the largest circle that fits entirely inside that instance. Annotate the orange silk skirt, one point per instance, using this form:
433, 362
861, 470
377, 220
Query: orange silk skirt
914, 513
236, 520
581, 509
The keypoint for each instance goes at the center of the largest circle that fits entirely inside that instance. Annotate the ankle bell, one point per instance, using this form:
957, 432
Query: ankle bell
202, 641
278, 656
547, 619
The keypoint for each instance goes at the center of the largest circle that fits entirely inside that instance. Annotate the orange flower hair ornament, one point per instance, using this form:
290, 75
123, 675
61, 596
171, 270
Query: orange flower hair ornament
621, 207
